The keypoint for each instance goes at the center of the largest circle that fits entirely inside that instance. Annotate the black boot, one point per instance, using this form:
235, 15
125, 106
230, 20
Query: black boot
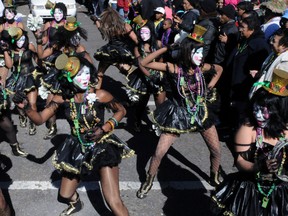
145, 187
73, 207
32, 128
17, 151
22, 121
52, 131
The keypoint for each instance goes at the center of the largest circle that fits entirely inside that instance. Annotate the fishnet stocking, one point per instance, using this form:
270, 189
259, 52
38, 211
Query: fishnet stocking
164, 143
7, 126
211, 139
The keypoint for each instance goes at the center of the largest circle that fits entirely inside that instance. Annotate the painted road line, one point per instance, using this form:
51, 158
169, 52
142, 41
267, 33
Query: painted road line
94, 185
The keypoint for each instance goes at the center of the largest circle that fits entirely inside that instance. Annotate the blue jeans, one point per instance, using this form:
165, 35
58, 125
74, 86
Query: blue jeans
98, 6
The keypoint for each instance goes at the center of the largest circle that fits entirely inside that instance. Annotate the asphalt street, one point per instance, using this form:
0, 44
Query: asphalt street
180, 189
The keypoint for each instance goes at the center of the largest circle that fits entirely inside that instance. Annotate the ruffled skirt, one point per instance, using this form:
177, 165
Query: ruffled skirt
115, 52
173, 118
50, 81
239, 196
70, 158
21, 82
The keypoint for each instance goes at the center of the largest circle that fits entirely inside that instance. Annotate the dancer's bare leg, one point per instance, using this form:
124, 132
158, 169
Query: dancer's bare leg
110, 187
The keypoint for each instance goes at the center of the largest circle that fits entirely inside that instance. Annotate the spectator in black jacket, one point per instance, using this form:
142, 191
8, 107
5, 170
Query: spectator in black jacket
186, 22
208, 19
228, 35
249, 55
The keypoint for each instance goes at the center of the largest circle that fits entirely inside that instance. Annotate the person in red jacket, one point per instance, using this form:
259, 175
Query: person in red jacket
123, 8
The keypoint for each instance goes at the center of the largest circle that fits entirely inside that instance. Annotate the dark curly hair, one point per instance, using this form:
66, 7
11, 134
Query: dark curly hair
153, 39
13, 43
60, 6
184, 55
277, 107
68, 88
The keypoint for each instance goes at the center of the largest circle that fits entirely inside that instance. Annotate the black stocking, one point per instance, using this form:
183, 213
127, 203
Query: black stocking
165, 141
211, 139
7, 126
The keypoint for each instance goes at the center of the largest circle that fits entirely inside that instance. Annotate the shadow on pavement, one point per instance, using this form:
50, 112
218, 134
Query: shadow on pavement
5, 165
56, 141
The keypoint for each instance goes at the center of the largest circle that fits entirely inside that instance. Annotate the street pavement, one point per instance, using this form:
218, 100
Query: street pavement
31, 184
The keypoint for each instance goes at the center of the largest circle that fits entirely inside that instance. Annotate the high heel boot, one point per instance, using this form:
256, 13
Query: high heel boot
22, 121
145, 187
52, 131
17, 151
32, 128
216, 178
73, 207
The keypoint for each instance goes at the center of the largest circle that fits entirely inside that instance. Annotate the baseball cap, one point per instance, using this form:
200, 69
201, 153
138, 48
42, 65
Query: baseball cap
160, 10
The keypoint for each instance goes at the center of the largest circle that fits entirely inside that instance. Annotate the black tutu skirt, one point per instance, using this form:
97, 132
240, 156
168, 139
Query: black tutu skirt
51, 82
238, 195
70, 158
115, 52
172, 117
22, 82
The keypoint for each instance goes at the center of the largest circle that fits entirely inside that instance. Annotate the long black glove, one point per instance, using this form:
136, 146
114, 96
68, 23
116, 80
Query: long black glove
4, 46
21, 97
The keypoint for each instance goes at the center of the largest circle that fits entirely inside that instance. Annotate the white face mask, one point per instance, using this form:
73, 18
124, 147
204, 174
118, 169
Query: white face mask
21, 41
58, 14
197, 56
261, 114
81, 80
9, 15
145, 33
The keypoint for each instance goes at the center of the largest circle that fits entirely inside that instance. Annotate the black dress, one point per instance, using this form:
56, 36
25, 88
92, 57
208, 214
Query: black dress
50, 75
240, 195
118, 50
180, 114
77, 155
23, 73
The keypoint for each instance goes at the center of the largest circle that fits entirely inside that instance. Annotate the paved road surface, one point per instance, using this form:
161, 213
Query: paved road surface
180, 189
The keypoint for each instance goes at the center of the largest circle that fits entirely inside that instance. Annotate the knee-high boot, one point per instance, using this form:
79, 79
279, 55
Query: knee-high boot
32, 128
22, 120
146, 186
52, 131
17, 151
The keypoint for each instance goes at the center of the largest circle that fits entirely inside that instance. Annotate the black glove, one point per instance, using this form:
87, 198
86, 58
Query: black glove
19, 97
174, 46
4, 46
94, 134
154, 82
39, 37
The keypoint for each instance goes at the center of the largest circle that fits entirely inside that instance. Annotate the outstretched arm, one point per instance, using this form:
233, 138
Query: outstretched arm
21, 100
147, 62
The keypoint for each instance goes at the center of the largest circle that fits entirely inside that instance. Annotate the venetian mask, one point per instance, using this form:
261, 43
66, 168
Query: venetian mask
75, 40
9, 15
261, 114
21, 41
81, 80
197, 56
58, 14
145, 33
